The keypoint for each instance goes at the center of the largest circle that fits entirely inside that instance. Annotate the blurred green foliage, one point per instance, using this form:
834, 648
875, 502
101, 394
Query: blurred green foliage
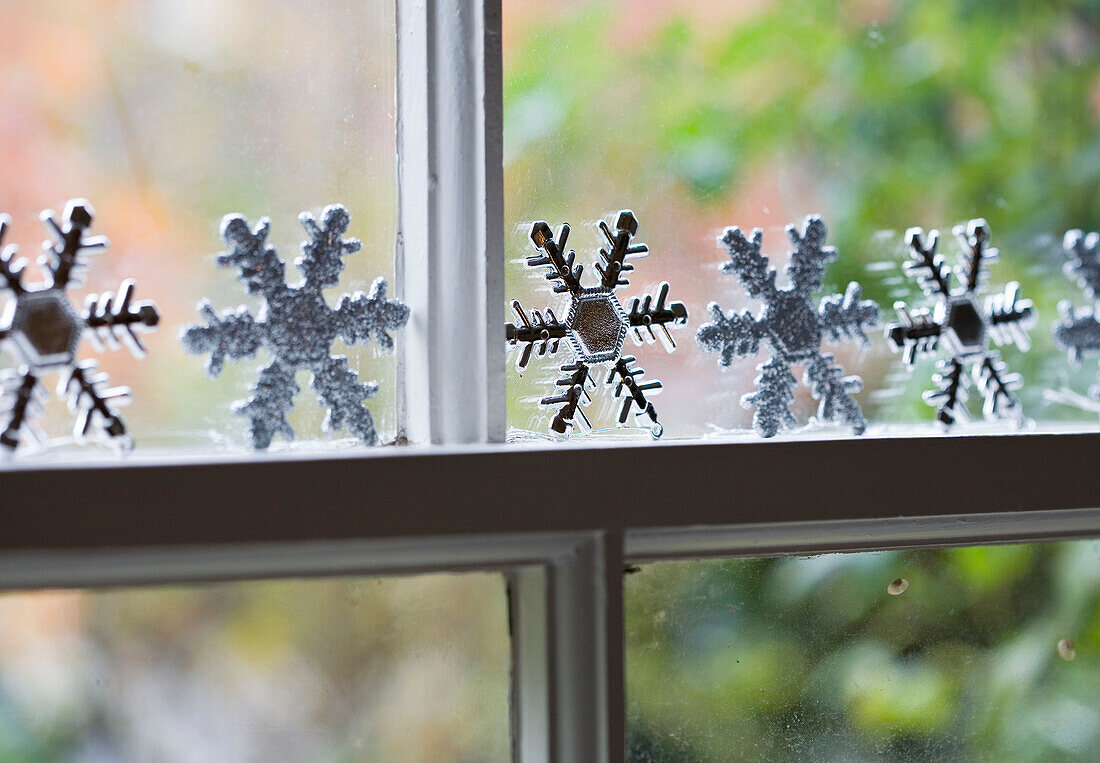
922, 112
330, 669
812, 658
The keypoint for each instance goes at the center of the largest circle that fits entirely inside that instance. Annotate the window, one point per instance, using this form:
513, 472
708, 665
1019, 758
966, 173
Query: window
352, 668
701, 114
917, 655
560, 521
169, 115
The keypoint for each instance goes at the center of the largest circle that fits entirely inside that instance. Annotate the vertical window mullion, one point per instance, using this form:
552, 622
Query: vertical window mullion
450, 255
568, 696
568, 700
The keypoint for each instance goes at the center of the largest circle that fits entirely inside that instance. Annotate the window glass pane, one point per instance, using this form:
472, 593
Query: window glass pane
169, 114
401, 669
980, 653
879, 116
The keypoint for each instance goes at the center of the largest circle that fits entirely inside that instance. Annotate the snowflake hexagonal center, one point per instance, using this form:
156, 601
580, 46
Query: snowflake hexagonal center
597, 326
45, 328
301, 326
793, 325
966, 323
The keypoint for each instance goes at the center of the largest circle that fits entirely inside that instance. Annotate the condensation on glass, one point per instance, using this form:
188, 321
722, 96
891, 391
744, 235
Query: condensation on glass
169, 114
698, 114
328, 669
977, 653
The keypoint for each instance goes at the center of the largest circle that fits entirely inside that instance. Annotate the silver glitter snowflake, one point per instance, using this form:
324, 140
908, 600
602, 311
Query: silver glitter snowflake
41, 330
791, 327
962, 325
1079, 331
297, 326
596, 325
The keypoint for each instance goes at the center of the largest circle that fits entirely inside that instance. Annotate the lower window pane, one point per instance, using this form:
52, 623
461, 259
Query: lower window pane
989, 653
340, 669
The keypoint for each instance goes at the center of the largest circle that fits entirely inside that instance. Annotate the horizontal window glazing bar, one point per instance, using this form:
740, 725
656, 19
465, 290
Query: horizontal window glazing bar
491, 490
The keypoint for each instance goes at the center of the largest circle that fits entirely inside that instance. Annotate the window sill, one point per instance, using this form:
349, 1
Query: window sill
443, 491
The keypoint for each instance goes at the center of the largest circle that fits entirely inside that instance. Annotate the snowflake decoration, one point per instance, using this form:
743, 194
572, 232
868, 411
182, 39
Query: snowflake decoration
297, 326
1079, 331
962, 325
42, 332
596, 325
791, 328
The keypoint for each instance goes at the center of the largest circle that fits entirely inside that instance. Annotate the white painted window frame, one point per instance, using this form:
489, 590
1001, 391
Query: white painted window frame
457, 499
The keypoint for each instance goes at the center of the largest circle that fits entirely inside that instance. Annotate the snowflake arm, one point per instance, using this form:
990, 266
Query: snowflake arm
234, 334
112, 319
563, 274
1079, 331
929, 269
1083, 266
574, 382
772, 398
614, 267
974, 238
747, 263
950, 396
1010, 318
635, 396
844, 318
11, 267
322, 258
66, 259
363, 317
732, 336
261, 269
644, 315
806, 269
538, 332
95, 404
22, 398
834, 391
999, 388
272, 398
338, 388
917, 335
